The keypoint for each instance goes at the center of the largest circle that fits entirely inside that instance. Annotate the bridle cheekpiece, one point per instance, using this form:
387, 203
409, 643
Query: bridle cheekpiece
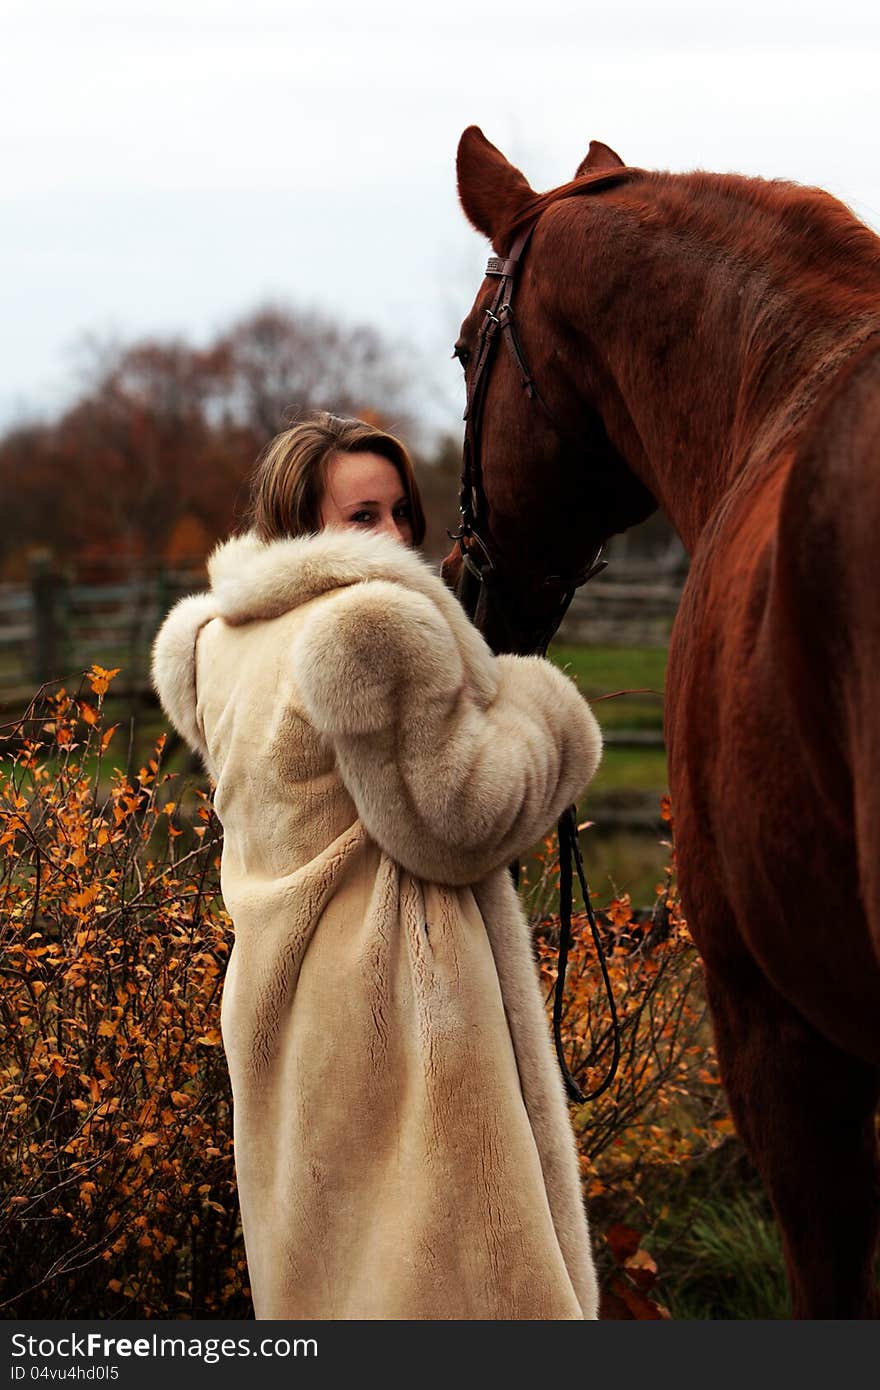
477, 558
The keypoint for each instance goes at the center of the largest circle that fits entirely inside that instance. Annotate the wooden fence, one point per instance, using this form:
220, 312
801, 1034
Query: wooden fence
58, 624
628, 610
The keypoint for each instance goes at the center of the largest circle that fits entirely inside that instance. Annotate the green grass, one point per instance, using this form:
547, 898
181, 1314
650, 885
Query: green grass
710, 1228
633, 712
605, 670
630, 769
599, 669
630, 780
738, 1269
724, 1259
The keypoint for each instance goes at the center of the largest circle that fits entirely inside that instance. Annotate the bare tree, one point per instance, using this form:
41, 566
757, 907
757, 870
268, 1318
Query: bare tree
284, 362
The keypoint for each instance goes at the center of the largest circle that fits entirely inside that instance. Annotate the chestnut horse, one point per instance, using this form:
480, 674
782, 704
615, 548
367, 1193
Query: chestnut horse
710, 344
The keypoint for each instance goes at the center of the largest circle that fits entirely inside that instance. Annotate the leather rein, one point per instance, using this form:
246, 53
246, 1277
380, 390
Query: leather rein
482, 573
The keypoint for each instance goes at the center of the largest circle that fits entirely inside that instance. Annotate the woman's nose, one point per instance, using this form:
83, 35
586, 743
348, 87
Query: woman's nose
388, 527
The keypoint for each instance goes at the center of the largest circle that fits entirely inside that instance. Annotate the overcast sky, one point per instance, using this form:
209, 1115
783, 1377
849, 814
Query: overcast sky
166, 166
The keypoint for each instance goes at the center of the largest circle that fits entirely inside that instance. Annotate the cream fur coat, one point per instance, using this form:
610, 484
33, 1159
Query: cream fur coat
402, 1141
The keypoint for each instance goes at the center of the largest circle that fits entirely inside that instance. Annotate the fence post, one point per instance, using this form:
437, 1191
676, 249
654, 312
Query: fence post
46, 593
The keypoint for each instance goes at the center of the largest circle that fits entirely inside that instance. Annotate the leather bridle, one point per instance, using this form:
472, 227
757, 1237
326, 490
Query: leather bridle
477, 556
483, 572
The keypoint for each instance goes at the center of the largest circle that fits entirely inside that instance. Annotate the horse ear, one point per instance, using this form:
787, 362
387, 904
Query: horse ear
599, 156
490, 189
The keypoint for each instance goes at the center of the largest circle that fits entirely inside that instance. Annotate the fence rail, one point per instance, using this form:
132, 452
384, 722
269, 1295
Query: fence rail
627, 611
54, 626
60, 623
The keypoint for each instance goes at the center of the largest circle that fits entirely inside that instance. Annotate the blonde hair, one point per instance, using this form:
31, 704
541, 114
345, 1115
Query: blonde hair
287, 485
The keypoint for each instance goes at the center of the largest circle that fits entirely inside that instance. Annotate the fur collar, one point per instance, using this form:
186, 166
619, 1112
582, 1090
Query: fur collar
253, 580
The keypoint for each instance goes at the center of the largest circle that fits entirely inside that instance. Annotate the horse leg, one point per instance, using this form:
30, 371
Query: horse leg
806, 1113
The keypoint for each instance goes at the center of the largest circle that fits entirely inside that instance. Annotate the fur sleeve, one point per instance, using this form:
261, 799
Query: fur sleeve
173, 668
450, 780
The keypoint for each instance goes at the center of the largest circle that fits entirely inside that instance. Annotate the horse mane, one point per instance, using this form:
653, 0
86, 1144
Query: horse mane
755, 219
587, 183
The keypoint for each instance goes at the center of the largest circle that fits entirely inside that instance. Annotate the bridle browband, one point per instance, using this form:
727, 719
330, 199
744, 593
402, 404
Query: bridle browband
482, 573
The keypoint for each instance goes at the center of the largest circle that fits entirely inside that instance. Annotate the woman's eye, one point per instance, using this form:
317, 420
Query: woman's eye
403, 510
364, 518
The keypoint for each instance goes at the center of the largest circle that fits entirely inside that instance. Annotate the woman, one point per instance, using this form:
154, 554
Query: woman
402, 1141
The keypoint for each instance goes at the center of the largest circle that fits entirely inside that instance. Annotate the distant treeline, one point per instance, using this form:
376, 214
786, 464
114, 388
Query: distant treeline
150, 463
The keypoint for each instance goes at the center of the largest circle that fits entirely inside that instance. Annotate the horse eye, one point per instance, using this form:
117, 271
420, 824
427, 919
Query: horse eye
462, 353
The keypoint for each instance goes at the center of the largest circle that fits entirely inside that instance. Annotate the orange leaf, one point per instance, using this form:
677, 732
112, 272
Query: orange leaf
724, 1125
623, 1242
620, 910
639, 1306
642, 1269
86, 897
100, 678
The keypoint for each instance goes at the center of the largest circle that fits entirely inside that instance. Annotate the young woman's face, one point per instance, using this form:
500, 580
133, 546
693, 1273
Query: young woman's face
365, 491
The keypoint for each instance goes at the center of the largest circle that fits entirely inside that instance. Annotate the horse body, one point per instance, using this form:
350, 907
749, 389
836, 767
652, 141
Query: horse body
769, 725
713, 343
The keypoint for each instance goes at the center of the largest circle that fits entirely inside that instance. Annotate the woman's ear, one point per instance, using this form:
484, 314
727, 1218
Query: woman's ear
490, 189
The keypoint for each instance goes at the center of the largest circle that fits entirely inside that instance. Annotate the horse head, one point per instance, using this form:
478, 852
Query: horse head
551, 487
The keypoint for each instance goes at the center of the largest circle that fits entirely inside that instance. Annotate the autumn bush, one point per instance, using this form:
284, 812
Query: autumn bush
117, 1194
117, 1191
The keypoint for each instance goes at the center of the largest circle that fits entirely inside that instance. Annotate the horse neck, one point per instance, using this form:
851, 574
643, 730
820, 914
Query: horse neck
710, 353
